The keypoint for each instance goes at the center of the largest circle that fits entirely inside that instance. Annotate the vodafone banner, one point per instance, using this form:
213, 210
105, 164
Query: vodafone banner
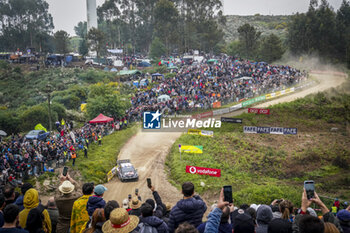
259, 111
203, 171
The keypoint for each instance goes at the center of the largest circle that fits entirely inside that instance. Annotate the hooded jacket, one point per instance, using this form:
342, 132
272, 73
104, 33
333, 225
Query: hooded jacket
93, 203
156, 222
189, 210
263, 217
30, 201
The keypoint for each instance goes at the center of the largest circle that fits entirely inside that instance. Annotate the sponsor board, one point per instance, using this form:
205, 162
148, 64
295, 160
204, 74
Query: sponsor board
206, 133
203, 171
221, 111
259, 111
192, 149
270, 130
231, 120
235, 107
203, 115
254, 100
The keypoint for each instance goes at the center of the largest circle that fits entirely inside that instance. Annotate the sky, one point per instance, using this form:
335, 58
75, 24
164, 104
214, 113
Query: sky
67, 13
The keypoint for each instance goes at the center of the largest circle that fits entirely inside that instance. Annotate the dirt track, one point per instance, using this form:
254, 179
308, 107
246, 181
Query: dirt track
148, 151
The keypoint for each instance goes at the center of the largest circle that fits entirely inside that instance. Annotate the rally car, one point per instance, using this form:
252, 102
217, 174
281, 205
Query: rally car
126, 171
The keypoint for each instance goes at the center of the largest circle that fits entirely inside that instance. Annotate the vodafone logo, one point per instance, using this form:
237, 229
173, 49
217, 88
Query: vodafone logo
193, 170
203, 171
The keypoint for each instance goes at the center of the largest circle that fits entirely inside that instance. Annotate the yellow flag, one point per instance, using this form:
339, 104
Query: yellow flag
63, 122
83, 107
40, 127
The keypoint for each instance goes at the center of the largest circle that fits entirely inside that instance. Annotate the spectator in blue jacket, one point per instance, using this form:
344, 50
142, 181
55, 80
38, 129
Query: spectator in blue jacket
190, 209
224, 226
96, 201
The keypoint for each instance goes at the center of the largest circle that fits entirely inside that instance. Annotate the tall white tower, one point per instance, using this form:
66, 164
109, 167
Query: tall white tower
91, 14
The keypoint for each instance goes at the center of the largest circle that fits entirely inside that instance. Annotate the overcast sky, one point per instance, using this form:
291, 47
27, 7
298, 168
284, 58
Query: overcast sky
67, 13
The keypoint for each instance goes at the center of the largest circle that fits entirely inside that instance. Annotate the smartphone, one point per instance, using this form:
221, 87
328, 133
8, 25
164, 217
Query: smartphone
149, 182
136, 192
309, 186
228, 193
65, 171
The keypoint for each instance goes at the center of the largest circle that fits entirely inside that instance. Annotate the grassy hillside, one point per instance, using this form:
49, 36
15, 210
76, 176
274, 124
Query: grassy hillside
266, 24
262, 167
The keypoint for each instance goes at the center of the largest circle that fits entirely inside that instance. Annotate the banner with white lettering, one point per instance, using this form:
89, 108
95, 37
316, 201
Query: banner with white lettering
203, 171
270, 130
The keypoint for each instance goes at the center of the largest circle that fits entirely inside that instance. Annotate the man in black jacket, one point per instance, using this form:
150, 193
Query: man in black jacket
190, 209
160, 209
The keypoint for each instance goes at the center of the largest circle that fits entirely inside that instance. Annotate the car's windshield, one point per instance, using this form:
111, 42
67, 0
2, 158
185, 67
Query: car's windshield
127, 169
33, 133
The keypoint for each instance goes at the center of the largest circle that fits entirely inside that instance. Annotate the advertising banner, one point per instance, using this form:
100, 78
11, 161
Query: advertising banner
259, 111
192, 149
203, 115
254, 100
207, 133
203, 171
270, 130
231, 120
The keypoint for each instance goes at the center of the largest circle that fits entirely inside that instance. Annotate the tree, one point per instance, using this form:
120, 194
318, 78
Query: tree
96, 41
166, 18
249, 38
24, 24
83, 47
109, 105
271, 48
61, 41
157, 48
234, 48
81, 29
343, 32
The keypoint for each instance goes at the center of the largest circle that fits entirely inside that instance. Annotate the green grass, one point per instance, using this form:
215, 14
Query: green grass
101, 159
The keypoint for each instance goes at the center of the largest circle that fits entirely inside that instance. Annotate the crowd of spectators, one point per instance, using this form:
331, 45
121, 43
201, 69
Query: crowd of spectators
21, 157
200, 85
71, 211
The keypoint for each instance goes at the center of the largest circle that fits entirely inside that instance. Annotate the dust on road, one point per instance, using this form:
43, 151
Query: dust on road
147, 151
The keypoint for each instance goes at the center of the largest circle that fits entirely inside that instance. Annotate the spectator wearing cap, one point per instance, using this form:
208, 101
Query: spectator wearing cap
31, 201
147, 218
11, 212
2, 206
243, 222
190, 209
135, 205
65, 203
19, 200
126, 205
120, 222
344, 219
79, 213
53, 212
96, 201
263, 218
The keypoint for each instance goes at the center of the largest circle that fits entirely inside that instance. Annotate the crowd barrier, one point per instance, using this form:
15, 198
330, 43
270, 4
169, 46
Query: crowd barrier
251, 101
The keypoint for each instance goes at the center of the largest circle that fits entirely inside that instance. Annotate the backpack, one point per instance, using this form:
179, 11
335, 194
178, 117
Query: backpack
146, 228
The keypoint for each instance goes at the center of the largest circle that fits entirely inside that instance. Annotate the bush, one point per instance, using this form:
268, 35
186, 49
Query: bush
9, 122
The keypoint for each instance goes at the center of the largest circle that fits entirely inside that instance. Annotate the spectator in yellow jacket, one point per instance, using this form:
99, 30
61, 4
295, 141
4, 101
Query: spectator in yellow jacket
30, 201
